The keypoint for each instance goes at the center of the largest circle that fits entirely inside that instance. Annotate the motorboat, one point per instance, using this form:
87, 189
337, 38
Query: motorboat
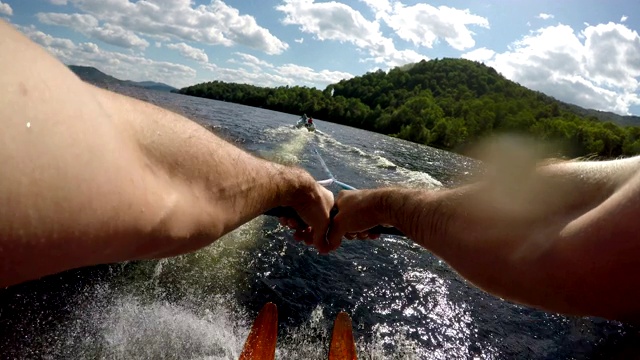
305, 122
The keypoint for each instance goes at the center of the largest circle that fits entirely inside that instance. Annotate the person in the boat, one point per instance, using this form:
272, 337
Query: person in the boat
92, 177
310, 122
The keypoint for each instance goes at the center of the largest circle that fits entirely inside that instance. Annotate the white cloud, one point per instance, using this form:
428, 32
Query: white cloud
544, 16
481, 55
332, 21
214, 24
58, 46
90, 26
597, 68
613, 55
379, 7
190, 52
136, 67
58, 2
253, 61
624, 18
5, 9
299, 41
423, 24
122, 66
261, 73
306, 75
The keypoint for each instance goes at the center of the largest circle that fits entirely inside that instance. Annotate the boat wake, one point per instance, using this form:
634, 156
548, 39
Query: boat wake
386, 172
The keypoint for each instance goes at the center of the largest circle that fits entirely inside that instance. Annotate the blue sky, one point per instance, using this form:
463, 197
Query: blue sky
582, 52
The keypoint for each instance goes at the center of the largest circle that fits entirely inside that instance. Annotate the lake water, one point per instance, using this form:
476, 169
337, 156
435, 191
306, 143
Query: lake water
405, 303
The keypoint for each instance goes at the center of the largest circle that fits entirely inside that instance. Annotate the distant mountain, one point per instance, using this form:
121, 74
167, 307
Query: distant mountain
97, 77
93, 75
152, 85
622, 120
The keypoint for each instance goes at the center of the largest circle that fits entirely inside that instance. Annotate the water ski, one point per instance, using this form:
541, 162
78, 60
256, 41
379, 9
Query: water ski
343, 347
261, 342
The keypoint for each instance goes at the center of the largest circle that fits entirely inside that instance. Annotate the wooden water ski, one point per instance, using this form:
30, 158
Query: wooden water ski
261, 342
343, 347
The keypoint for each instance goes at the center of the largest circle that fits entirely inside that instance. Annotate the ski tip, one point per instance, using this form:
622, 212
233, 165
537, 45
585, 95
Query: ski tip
261, 342
343, 347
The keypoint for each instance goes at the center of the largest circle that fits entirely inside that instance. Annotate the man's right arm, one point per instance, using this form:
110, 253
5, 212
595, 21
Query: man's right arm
565, 238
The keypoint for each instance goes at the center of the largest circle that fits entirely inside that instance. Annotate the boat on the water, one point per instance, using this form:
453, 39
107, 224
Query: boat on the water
305, 122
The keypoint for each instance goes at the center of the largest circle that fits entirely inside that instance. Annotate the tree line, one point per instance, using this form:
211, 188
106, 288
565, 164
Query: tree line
444, 103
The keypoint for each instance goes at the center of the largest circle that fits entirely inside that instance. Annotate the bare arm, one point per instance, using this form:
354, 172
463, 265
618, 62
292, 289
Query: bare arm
92, 177
564, 238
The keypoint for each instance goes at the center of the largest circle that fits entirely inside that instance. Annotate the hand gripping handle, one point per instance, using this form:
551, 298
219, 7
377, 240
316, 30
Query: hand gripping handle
288, 212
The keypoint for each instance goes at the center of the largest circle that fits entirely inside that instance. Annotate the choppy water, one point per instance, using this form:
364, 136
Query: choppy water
404, 302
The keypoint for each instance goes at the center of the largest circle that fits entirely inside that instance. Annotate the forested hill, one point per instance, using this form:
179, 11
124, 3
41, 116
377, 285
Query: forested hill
445, 103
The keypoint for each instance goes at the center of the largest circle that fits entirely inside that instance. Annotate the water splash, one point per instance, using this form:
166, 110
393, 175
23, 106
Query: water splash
289, 150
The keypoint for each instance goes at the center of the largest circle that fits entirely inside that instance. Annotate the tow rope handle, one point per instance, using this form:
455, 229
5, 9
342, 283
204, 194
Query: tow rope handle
288, 212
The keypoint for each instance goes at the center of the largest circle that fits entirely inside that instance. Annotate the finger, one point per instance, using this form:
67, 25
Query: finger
319, 221
302, 234
308, 239
321, 243
332, 241
336, 231
363, 235
350, 236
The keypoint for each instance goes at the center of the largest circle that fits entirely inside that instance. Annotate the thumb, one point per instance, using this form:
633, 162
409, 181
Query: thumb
320, 238
336, 232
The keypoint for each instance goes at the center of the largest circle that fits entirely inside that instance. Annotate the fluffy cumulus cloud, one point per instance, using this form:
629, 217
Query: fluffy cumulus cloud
424, 24
333, 21
624, 18
5, 9
90, 26
215, 23
612, 54
123, 66
596, 68
190, 52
